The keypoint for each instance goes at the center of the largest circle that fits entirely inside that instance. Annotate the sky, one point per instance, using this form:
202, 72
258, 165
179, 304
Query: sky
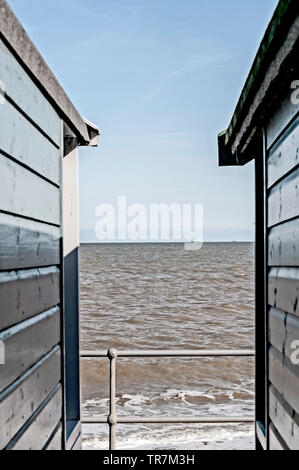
161, 79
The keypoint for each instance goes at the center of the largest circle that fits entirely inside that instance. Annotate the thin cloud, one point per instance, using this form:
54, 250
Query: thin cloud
201, 64
66, 4
86, 11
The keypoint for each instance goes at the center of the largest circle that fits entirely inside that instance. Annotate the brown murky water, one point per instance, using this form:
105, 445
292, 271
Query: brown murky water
159, 296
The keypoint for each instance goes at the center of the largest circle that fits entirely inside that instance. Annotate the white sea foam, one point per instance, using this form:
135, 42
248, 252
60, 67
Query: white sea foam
175, 437
162, 297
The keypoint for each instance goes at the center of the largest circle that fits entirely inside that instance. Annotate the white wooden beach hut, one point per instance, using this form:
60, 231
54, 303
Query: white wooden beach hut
265, 127
40, 131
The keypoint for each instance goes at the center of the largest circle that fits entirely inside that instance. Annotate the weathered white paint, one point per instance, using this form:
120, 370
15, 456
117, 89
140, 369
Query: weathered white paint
26, 293
56, 442
32, 107
283, 244
25, 243
27, 393
27, 342
284, 155
23, 91
70, 202
284, 377
22, 141
283, 289
24, 193
37, 434
283, 115
284, 419
283, 200
275, 440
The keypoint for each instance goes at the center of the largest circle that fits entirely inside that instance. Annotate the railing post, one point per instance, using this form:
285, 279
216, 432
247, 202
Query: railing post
112, 418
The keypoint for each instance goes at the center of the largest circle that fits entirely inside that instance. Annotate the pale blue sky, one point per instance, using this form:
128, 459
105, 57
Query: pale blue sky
161, 78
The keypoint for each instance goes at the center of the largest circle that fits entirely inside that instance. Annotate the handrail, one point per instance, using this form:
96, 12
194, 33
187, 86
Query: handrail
112, 419
170, 353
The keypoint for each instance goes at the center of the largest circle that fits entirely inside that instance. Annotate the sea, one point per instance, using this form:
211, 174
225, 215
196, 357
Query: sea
161, 296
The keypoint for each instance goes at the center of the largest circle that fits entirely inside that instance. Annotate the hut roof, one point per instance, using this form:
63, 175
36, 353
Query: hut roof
276, 59
16, 38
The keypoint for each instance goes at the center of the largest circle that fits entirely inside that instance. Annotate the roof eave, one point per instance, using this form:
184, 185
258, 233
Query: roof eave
278, 43
23, 48
93, 132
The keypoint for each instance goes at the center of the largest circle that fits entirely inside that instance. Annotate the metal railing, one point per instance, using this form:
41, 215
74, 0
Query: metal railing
112, 419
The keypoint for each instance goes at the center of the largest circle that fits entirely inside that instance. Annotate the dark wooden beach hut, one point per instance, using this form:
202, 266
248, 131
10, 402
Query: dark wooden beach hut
265, 127
40, 131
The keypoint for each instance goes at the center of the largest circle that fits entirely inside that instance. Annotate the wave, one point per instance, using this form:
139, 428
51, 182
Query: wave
172, 437
159, 297
150, 377
183, 402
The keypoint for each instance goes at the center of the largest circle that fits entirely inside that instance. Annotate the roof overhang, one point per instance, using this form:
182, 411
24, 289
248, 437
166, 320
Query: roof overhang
93, 133
25, 51
273, 67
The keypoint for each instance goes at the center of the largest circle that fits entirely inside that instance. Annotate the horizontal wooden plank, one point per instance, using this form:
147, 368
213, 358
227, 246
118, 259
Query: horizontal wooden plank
22, 141
277, 328
284, 332
27, 342
24, 294
283, 244
284, 419
285, 377
283, 289
275, 440
292, 337
24, 92
20, 401
283, 157
78, 443
56, 441
283, 200
26, 194
280, 119
27, 244
36, 435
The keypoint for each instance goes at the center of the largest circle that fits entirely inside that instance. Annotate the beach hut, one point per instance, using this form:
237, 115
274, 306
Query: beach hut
40, 131
265, 127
